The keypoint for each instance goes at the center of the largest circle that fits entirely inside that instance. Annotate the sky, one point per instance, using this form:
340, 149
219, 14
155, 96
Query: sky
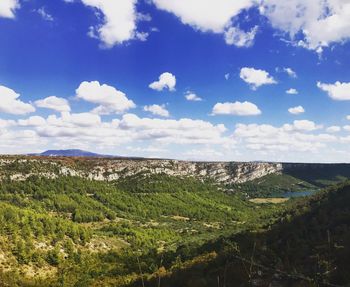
233, 80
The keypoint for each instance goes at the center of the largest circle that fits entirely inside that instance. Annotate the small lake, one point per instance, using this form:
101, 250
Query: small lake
298, 193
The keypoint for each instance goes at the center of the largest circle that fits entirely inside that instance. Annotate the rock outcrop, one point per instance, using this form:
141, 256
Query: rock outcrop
112, 169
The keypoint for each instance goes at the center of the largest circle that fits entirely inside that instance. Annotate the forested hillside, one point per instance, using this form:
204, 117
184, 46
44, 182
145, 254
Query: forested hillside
308, 246
61, 231
156, 228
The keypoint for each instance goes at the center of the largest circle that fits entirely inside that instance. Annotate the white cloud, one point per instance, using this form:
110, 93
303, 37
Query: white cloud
76, 125
6, 123
142, 36
157, 110
11, 104
205, 15
144, 17
239, 38
8, 7
197, 154
337, 91
289, 137
227, 76
165, 81
300, 20
256, 78
182, 131
302, 125
290, 72
109, 99
90, 129
310, 24
82, 119
44, 14
333, 129
212, 16
296, 110
190, 96
33, 121
54, 103
292, 91
236, 108
74, 119
348, 117
119, 21
346, 128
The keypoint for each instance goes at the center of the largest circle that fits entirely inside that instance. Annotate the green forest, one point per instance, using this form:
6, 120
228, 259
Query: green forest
161, 230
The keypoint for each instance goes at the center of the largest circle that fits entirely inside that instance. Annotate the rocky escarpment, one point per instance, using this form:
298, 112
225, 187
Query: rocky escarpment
20, 168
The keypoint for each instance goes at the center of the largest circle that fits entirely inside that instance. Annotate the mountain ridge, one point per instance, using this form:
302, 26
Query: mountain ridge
70, 153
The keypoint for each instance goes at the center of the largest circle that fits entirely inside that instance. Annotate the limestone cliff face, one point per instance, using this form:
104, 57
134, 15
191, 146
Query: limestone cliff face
221, 172
113, 169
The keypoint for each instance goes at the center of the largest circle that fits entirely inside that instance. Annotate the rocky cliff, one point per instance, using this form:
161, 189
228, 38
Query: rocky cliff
20, 168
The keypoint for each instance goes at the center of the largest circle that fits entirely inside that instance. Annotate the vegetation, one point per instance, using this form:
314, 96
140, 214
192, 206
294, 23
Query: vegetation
273, 185
161, 230
308, 246
57, 227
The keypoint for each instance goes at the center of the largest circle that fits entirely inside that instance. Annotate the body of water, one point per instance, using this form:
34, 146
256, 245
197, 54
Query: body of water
298, 193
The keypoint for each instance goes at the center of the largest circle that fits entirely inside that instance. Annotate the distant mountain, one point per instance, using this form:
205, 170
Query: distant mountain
71, 152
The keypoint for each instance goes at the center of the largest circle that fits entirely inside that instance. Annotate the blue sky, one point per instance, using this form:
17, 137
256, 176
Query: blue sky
195, 79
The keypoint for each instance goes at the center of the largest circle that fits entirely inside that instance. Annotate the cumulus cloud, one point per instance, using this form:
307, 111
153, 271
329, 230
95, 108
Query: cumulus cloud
34, 121
8, 7
289, 137
296, 110
157, 110
89, 129
333, 129
80, 119
28, 138
165, 81
205, 15
348, 117
212, 16
256, 78
236, 108
72, 125
337, 91
182, 131
119, 21
190, 96
239, 38
11, 104
302, 125
300, 20
346, 128
6, 123
54, 103
197, 154
109, 99
292, 91
308, 18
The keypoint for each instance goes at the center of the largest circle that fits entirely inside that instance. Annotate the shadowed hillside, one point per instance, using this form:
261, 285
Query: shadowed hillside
309, 246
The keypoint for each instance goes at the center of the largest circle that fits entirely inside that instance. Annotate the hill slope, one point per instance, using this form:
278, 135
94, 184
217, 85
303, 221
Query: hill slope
189, 223
308, 246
